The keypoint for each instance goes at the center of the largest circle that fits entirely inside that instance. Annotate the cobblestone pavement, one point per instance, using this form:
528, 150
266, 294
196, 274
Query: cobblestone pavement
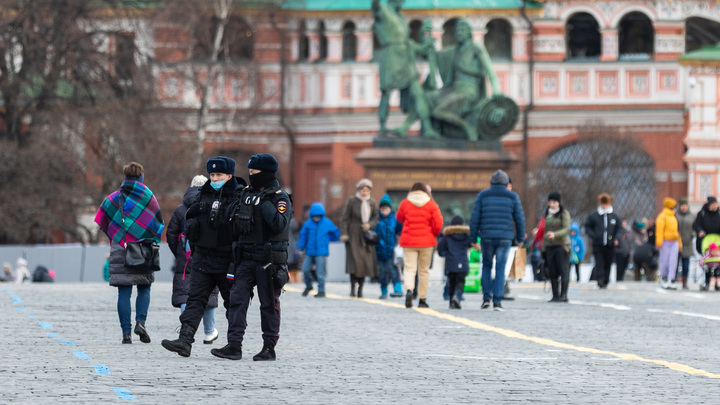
631, 343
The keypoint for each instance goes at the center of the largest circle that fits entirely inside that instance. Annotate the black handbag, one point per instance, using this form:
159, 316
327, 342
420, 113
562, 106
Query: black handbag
371, 237
141, 255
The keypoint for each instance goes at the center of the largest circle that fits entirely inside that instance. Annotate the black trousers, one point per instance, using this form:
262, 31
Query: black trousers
207, 273
456, 284
621, 263
603, 260
249, 274
577, 270
558, 262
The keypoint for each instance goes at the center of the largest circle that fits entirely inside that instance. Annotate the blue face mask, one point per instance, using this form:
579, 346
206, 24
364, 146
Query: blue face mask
217, 184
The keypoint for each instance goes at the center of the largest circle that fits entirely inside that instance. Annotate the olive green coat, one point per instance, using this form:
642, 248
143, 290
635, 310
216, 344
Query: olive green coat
559, 224
360, 258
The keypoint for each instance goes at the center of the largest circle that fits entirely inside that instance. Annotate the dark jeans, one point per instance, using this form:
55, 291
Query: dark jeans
621, 263
603, 260
386, 271
201, 287
558, 262
456, 284
493, 289
142, 303
249, 274
577, 270
685, 266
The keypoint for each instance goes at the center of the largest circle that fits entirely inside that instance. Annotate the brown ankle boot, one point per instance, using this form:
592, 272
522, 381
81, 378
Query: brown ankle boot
684, 281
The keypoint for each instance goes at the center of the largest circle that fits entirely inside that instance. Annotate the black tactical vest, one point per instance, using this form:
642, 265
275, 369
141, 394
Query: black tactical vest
260, 233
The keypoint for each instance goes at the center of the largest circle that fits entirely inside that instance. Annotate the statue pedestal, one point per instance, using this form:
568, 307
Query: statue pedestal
455, 176
416, 142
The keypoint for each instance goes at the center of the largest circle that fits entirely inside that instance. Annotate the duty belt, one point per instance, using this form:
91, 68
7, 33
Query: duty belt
275, 257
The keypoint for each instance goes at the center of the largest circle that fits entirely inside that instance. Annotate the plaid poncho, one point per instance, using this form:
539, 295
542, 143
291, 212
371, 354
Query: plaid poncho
143, 220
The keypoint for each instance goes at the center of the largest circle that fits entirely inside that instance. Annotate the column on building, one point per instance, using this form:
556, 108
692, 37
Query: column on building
549, 43
669, 40
364, 34
609, 45
293, 39
333, 32
520, 38
311, 29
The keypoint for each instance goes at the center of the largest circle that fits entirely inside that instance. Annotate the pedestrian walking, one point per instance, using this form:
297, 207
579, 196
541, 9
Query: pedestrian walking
180, 247
131, 214
388, 230
556, 243
706, 222
422, 222
577, 248
685, 220
209, 231
315, 237
622, 251
494, 213
602, 226
262, 224
453, 245
359, 216
668, 243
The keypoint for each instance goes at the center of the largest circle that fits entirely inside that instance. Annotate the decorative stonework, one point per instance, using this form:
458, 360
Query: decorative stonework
669, 43
550, 44
608, 84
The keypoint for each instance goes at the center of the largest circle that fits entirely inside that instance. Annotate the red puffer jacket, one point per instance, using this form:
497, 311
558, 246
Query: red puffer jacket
421, 218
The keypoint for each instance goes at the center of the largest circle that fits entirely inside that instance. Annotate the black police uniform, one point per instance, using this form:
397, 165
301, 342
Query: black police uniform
264, 262
209, 230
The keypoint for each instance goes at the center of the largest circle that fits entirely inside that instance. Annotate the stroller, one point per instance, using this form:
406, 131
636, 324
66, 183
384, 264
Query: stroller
711, 264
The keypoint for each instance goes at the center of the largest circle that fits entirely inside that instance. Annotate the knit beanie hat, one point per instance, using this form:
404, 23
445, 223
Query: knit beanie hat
554, 196
264, 162
669, 203
364, 183
385, 200
500, 177
713, 246
220, 164
457, 220
683, 200
711, 200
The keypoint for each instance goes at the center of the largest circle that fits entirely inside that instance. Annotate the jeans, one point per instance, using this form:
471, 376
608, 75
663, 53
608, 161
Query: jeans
387, 270
142, 303
319, 262
499, 249
208, 319
685, 266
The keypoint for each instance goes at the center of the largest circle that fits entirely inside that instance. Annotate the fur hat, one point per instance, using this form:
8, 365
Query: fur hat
604, 198
669, 203
457, 220
364, 183
385, 200
220, 164
682, 201
500, 177
554, 196
264, 162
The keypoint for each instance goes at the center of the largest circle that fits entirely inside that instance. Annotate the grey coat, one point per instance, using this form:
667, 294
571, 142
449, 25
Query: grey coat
360, 258
123, 276
685, 228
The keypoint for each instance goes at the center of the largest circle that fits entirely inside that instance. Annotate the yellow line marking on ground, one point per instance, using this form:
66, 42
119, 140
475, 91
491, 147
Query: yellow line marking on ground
516, 335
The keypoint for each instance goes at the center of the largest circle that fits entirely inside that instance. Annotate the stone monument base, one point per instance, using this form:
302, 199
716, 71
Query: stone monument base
417, 142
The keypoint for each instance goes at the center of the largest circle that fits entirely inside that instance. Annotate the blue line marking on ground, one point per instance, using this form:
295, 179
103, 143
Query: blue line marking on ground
16, 299
21, 309
45, 325
124, 394
31, 316
10, 291
101, 369
81, 355
53, 335
67, 342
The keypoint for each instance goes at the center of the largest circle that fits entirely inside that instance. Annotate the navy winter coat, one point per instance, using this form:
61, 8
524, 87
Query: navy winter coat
493, 215
315, 236
453, 246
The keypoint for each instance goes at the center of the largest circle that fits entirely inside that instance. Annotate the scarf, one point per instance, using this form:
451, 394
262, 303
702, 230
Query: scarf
365, 210
553, 211
601, 211
143, 219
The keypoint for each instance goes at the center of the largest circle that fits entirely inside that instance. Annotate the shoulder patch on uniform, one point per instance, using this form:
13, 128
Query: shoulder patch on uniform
282, 206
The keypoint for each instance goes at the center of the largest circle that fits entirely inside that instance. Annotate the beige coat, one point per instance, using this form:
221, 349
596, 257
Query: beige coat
360, 258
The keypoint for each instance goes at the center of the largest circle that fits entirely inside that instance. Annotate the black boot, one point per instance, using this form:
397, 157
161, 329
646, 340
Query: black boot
422, 303
183, 344
352, 285
564, 289
266, 354
455, 302
555, 290
232, 351
408, 299
127, 339
361, 282
142, 332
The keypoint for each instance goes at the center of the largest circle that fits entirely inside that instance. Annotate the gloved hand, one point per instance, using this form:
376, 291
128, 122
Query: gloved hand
192, 229
365, 226
344, 238
195, 210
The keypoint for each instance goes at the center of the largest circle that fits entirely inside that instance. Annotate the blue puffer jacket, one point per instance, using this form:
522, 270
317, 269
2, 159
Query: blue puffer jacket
577, 244
315, 236
388, 228
493, 214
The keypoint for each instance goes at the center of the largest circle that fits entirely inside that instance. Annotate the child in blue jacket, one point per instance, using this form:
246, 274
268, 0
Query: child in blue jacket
577, 248
388, 229
453, 245
315, 237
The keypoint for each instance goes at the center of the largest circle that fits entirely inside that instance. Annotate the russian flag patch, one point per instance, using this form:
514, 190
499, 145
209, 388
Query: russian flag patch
230, 276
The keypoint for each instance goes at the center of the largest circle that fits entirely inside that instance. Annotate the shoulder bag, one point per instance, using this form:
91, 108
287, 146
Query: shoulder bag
141, 255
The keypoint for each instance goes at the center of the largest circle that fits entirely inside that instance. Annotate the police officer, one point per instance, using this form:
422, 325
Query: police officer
209, 231
262, 222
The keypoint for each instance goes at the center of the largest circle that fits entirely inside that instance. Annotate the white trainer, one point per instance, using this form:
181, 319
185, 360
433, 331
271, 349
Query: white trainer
211, 337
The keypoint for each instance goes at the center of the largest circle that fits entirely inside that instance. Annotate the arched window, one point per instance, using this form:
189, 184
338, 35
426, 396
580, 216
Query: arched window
448, 37
599, 164
700, 32
303, 43
498, 39
583, 37
349, 42
322, 41
237, 43
636, 37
